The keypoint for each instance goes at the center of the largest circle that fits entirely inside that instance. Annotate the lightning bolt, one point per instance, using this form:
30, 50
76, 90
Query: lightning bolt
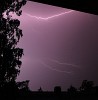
68, 64
41, 61
53, 60
54, 69
47, 18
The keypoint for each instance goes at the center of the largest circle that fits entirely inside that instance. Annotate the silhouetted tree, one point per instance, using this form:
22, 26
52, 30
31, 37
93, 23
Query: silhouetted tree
72, 90
24, 85
10, 34
87, 86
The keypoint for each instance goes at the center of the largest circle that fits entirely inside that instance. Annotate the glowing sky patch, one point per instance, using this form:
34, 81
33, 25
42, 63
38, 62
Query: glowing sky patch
67, 47
47, 18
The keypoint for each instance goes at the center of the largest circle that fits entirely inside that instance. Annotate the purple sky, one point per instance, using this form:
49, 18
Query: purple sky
60, 51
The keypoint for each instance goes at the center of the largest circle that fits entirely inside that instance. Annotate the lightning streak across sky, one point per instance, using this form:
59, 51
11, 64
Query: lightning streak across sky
47, 18
54, 69
53, 60
61, 63
58, 70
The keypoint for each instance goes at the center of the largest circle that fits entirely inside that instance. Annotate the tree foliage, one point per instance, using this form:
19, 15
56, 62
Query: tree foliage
72, 90
23, 85
10, 35
86, 85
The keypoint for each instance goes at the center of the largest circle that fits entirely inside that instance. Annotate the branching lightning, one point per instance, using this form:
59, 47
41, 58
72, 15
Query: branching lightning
47, 18
41, 61
54, 69
60, 63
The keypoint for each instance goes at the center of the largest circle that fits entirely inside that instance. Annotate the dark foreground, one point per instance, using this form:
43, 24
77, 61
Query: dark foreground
21, 91
51, 96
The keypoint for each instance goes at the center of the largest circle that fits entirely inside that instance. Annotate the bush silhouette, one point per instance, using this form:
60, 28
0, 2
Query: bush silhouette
72, 90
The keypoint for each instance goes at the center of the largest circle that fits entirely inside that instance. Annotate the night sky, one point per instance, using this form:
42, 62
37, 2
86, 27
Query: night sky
60, 51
